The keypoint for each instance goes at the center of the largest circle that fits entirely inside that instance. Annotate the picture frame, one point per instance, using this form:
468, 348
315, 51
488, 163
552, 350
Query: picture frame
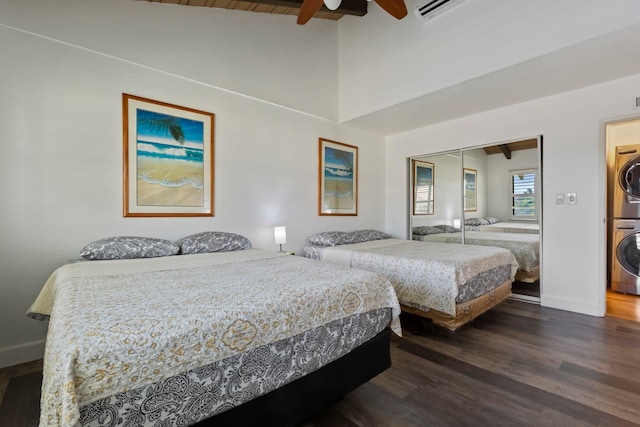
337, 178
168, 159
470, 180
423, 177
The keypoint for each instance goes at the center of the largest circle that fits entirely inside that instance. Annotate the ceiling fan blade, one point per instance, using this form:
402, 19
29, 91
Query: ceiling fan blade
395, 8
308, 9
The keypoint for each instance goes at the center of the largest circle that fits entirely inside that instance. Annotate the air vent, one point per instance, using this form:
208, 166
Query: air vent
429, 9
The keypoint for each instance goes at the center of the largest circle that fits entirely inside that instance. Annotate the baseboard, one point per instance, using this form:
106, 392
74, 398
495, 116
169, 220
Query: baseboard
17, 354
570, 304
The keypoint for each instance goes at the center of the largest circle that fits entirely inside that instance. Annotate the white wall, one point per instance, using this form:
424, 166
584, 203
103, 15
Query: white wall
403, 60
61, 162
572, 125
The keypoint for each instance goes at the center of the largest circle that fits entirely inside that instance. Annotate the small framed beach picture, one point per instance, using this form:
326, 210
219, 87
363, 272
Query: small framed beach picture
423, 188
338, 178
470, 190
168, 159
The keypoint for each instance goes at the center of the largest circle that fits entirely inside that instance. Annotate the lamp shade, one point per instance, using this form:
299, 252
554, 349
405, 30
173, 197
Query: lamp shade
280, 234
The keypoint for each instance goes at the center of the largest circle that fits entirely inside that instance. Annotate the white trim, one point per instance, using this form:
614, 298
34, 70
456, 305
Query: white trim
571, 304
22, 353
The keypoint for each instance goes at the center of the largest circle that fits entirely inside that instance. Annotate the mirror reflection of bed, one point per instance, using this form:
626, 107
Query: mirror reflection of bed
486, 195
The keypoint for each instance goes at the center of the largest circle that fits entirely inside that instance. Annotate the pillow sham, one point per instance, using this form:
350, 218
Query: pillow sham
492, 220
472, 221
424, 230
483, 221
127, 247
330, 238
213, 241
360, 236
447, 228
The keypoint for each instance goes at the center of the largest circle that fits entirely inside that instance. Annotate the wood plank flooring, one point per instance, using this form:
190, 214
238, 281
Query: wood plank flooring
517, 365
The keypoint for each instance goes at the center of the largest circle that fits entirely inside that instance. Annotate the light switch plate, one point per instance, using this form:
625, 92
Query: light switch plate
572, 198
559, 198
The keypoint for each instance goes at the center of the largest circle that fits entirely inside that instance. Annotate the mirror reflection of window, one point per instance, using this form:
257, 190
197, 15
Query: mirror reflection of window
423, 196
523, 194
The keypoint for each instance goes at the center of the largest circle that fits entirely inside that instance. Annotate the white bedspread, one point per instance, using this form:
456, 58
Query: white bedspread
119, 325
423, 274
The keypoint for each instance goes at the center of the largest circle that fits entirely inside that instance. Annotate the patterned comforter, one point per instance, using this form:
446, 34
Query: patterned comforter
144, 341
524, 247
427, 275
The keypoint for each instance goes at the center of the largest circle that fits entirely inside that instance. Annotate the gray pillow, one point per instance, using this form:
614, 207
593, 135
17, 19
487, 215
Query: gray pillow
447, 228
126, 247
360, 236
330, 238
424, 230
213, 241
492, 220
472, 221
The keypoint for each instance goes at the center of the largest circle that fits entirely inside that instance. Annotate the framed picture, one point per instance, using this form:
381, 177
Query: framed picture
470, 190
168, 159
338, 178
423, 188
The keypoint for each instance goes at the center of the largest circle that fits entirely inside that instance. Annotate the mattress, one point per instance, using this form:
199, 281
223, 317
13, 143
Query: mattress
434, 276
525, 247
511, 227
178, 339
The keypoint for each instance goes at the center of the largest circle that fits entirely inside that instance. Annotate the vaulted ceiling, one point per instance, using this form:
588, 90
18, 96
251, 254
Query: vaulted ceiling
280, 7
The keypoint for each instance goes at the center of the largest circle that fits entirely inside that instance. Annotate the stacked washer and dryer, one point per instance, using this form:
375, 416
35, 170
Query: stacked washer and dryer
625, 253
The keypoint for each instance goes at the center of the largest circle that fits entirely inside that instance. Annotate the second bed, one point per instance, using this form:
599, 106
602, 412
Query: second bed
450, 284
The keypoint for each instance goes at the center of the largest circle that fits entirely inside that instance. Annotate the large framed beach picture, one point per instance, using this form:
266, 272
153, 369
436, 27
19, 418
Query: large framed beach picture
168, 159
338, 178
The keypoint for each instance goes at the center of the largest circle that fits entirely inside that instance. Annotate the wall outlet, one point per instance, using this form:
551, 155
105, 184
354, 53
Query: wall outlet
559, 198
572, 198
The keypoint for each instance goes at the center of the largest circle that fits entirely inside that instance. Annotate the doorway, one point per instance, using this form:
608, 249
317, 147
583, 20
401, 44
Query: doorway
621, 300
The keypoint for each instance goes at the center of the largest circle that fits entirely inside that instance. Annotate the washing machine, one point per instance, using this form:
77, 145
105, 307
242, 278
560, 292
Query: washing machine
625, 262
626, 192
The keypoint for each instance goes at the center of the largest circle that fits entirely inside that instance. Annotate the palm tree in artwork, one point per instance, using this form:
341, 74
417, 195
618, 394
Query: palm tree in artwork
164, 123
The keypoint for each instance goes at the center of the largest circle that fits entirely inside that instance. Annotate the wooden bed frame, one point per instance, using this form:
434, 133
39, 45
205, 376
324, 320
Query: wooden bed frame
466, 311
528, 276
299, 400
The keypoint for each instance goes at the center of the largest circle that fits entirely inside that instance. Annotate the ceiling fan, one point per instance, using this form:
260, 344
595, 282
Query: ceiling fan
395, 8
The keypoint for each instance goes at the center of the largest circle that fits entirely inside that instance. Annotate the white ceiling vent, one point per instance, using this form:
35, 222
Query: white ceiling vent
429, 9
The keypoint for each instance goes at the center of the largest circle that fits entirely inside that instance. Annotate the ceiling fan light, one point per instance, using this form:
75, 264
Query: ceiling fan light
332, 4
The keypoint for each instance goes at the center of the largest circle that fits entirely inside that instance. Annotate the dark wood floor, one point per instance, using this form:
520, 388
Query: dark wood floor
517, 365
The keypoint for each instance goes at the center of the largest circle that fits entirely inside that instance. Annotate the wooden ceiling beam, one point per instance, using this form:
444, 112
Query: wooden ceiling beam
506, 151
347, 7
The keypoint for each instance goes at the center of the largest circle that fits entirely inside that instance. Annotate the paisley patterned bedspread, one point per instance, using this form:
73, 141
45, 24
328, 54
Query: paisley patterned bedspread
525, 247
428, 275
118, 326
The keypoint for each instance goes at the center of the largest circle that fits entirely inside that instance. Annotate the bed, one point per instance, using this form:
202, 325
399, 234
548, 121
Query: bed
449, 284
511, 227
250, 338
525, 247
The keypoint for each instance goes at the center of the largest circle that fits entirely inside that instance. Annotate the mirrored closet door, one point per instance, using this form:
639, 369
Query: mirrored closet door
487, 196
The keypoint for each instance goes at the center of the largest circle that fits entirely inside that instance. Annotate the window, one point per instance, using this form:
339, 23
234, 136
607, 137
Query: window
523, 194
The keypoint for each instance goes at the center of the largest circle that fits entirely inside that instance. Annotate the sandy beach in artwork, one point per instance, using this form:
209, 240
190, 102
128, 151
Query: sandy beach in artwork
165, 182
338, 193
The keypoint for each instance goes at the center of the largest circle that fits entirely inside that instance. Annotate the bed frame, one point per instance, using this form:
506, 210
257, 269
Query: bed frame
299, 400
466, 311
528, 276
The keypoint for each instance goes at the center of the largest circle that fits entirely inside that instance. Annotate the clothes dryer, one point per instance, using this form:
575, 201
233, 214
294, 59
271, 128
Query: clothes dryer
626, 193
625, 262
